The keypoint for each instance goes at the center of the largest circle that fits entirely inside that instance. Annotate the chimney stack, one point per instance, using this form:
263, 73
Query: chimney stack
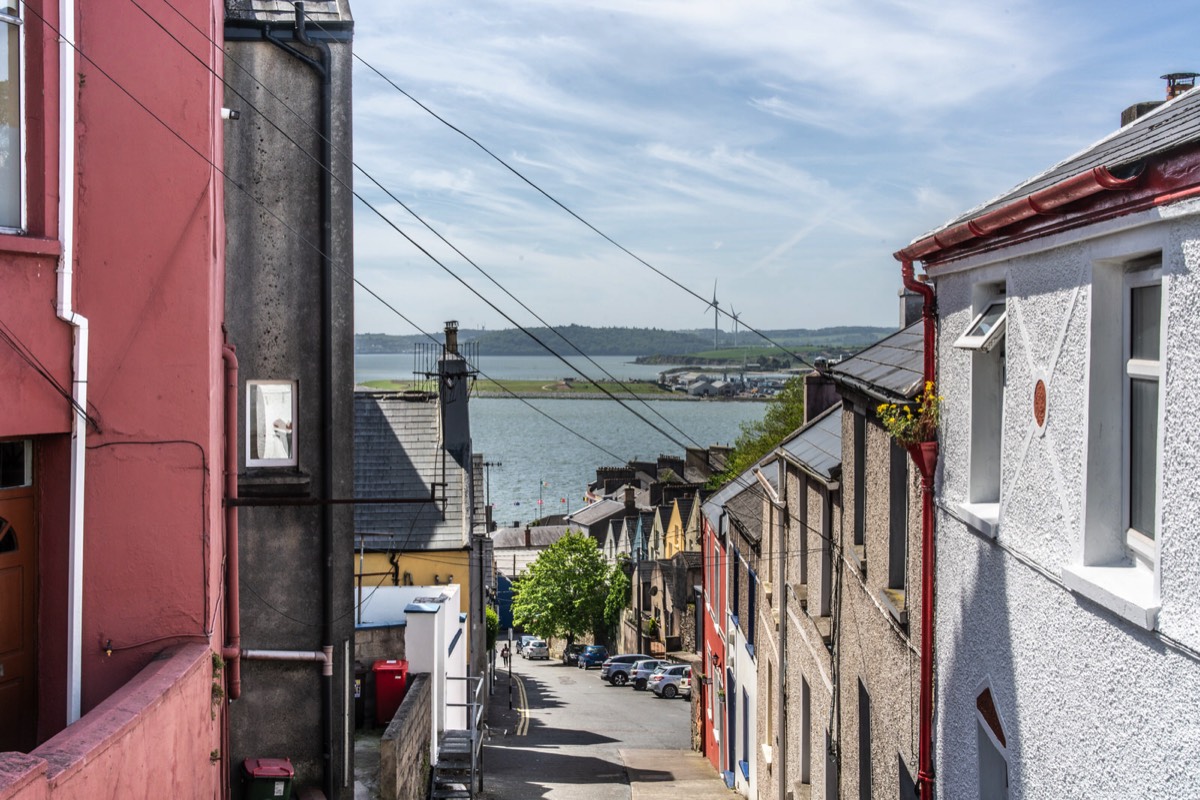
452, 394
1177, 84
629, 498
452, 337
528, 539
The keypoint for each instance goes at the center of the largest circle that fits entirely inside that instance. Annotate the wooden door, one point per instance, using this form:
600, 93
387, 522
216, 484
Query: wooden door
18, 584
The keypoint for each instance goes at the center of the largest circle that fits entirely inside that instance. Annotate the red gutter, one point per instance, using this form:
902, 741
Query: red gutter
232, 651
925, 457
1043, 201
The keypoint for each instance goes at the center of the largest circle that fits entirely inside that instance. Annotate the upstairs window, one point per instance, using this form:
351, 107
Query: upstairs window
12, 133
1143, 371
985, 338
271, 415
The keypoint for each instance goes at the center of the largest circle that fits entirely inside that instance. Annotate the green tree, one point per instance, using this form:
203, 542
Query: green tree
492, 619
565, 590
785, 413
619, 590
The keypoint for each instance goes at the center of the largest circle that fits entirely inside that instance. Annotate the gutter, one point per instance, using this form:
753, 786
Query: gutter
1042, 202
79, 355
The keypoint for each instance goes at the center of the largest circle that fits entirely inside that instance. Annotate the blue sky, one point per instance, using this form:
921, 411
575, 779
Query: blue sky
782, 149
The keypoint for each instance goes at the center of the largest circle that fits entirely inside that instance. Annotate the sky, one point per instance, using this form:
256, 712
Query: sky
779, 150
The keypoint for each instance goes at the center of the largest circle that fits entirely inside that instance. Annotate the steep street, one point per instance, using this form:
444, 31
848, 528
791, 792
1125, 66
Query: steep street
570, 734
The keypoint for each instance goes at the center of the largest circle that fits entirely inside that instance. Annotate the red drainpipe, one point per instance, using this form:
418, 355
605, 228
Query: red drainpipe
232, 651
925, 457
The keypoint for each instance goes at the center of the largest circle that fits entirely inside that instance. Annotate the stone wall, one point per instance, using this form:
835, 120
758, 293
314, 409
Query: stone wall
374, 642
404, 748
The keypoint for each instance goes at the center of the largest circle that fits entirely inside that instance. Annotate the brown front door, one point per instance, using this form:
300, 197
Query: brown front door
18, 584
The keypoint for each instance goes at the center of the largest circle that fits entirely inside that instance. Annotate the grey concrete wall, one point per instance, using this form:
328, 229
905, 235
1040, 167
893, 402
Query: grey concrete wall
404, 748
272, 313
384, 641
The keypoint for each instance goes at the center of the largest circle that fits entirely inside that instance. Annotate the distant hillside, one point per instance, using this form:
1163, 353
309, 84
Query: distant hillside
628, 341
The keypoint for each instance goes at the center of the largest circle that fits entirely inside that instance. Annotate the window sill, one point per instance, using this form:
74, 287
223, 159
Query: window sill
1127, 591
766, 753
29, 245
858, 554
277, 482
744, 766
894, 602
983, 517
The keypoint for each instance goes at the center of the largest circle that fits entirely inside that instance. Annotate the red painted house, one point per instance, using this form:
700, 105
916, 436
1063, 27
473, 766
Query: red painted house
714, 580
111, 431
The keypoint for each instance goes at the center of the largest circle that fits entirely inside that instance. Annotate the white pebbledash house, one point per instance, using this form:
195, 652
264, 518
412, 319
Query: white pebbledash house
1068, 492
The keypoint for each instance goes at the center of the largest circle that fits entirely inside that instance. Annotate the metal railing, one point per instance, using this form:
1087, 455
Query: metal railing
474, 728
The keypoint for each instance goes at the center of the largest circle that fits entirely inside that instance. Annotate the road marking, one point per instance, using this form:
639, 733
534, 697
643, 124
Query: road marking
522, 708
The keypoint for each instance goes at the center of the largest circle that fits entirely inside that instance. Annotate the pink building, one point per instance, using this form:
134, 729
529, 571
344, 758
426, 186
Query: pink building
111, 432
714, 580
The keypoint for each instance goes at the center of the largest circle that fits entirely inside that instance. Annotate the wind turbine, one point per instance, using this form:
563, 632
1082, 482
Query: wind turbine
735, 316
716, 317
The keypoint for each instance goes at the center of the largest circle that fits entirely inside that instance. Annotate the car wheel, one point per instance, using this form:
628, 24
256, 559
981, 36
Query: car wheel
619, 679
640, 684
669, 692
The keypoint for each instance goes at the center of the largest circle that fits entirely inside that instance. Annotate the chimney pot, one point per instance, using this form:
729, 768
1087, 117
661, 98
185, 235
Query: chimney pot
452, 336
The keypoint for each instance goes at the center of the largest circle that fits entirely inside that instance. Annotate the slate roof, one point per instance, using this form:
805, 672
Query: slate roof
1167, 127
818, 445
397, 453
316, 11
892, 369
539, 536
597, 512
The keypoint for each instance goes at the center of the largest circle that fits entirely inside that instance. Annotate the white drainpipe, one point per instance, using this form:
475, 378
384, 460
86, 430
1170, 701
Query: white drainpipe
79, 359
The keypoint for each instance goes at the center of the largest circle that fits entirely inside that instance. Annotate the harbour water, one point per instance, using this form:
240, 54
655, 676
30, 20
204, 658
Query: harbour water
548, 450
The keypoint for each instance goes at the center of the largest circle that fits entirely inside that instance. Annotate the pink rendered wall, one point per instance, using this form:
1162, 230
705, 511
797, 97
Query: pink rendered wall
149, 278
714, 642
149, 739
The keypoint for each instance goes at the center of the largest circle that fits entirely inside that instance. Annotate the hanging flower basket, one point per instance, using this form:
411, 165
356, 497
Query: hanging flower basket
925, 456
912, 423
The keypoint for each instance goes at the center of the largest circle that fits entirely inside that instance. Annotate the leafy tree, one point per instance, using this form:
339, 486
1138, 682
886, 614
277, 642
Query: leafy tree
492, 621
565, 590
785, 413
619, 590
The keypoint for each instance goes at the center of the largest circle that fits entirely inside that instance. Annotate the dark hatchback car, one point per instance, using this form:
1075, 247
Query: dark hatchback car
571, 654
593, 655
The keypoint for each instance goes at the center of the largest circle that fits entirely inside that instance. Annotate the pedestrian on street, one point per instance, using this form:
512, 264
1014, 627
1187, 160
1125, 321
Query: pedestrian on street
506, 655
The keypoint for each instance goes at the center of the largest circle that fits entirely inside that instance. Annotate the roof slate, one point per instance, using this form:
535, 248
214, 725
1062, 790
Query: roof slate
818, 445
397, 453
890, 369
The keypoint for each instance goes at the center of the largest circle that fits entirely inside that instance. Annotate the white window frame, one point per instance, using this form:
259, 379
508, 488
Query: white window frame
22, 138
972, 340
1143, 548
28, 468
293, 459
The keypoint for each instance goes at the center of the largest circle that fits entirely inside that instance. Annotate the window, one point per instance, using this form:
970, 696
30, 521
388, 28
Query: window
12, 145
987, 329
1116, 563
1143, 368
860, 487
992, 748
894, 593
751, 595
16, 464
864, 743
985, 338
805, 733
271, 411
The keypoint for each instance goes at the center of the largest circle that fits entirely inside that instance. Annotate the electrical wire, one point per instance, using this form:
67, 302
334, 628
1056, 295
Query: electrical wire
423, 222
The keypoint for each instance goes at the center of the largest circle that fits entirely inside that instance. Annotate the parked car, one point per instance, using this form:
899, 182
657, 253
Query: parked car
523, 641
571, 654
665, 682
685, 687
642, 670
615, 670
536, 649
593, 655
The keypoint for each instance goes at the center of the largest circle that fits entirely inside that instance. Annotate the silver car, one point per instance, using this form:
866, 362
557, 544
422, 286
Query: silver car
536, 649
641, 671
665, 682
